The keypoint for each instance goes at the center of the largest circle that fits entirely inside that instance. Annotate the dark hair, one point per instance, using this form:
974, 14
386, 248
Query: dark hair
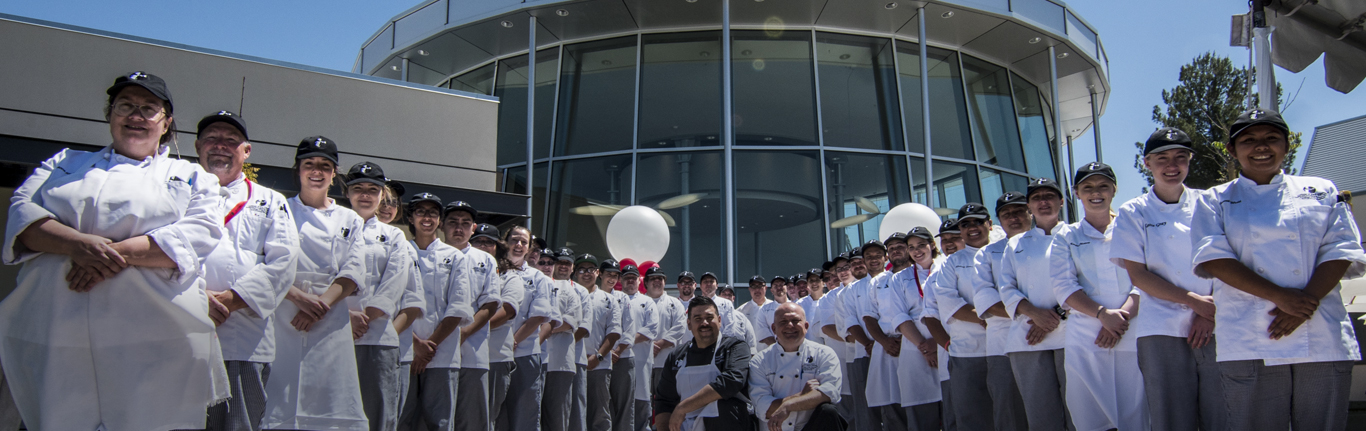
336, 179
170, 113
726, 289
700, 301
408, 210
500, 254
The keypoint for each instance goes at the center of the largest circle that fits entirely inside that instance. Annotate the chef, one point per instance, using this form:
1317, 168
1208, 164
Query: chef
673, 323
795, 384
533, 315
436, 262
900, 305
604, 329
559, 346
642, 351
705, 384
882, 387
764, 318
758, 300
954, 289
481, 270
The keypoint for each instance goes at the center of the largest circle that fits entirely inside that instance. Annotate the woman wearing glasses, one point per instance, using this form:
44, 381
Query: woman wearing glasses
109, 325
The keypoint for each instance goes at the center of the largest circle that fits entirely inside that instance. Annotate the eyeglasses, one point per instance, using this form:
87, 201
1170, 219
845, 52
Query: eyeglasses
584, 270
842, 269
484, 243
149, 113
427, 213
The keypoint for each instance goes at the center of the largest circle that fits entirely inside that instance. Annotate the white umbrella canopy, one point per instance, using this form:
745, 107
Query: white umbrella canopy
1304, 30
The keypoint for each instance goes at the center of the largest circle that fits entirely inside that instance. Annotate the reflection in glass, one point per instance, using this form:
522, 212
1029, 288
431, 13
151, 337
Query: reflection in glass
779, 223
598, 84
475, 81
949, 132
680, 90
858, 92
1029, 110
998, 137
511, 93
696, 240
956, 184
862, 187
774, 93
912, 108
995, 184
514, 181
919, 193
580, 184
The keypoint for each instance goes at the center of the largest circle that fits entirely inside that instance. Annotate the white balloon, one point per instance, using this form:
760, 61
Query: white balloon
907, 216
639, 233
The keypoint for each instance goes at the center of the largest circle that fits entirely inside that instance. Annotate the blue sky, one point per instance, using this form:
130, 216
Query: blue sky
1147, 42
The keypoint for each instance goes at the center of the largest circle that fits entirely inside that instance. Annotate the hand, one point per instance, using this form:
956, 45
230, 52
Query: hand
217, 311
1107, 338
1044, 319
419, 365
868, 348
593, 361
676, 421
615, 356
1284, 324
811, 386
81, 278
309, 304
657, 348
1201, 331
360, 324
775, 420
930, 351
1203, 306
98, 254
1036, 333
302, 321
893, 348
1117, 321
1296, 302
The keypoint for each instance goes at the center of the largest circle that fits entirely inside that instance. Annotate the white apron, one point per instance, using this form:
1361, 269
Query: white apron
689, 380
137, 352
313, 382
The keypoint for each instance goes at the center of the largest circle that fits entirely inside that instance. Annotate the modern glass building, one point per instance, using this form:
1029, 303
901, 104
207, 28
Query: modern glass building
770, 133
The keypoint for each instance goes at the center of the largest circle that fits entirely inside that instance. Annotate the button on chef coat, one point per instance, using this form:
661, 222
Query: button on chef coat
985, 295
954, 289
1281, 230
510, 292
537, 301
387, 272
1157, 234
447, 294
255, 259
1026, 273
483, 270
673, 323
776, 374
1080, 257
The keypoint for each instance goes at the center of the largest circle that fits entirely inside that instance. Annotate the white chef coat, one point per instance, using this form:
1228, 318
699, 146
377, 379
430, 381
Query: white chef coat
954, 289
762, 321
413, 297
809, 306
1080, 259
882, 388
931, 310
510, 292
1026, 273
1155, 233
899, 302
581, 348
313, 383
985, 295
644, 311
559, 347
483, 270
255, 259
388, 267
1281, 230
73, 365
537, 301
751, 311
775, 374
849, 313
673, 323
630, 323
604, 319
827, 313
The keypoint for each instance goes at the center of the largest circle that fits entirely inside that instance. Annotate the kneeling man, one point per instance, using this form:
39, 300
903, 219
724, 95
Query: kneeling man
796, 383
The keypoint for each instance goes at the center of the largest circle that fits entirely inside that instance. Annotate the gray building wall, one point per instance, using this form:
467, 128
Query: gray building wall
1335, 152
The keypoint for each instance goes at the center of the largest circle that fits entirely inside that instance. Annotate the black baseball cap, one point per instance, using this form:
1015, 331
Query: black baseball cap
366, 172
461, 206
973, 210
778, 277
654, 271
707, 274
842, 256
813, 272
423, 197
485, 230
687, 275
856, 253
1010, 198
796, 278
586, 258
758, 279
397, 187
825, 267
630, 270
564, 254
872, 243
547, 252
1167, 138
538, 241
229, 117
920, 232
1041, 184
948, 226
1254, 117
895, 237
150, 82
317, 146
1094, 168
609, 265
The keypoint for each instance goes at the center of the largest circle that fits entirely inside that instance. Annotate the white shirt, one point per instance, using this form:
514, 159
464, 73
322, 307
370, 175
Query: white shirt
536, 301
985, 295
413, 298
643, 312
1080, 259
1026, 273
869, 306
1158, 234
446, 293
830, 314
953, 285
849, 313
630, 326
751, 311
559, 348
256, 260
510, 294
388, 267
775, 374
899, 301
604, 319
673, 323
809, 306
483, 270
1283, 231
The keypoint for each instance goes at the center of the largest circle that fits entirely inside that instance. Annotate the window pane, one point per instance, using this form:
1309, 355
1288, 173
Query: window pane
949, 132
598, 91
998, 137
869, 179
858, 92
697, 237
577, 186
775, 98
547, 69
778, 217
680, 90
511, 93
912, 109
956, 185
475, 81
514, 181
995, 184
919, 193
1029, 110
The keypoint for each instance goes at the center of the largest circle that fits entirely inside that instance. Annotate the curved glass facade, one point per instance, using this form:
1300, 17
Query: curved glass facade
828, 133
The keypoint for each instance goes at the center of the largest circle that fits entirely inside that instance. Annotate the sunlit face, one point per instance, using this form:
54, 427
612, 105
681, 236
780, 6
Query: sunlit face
609, 279
1045, 205
545, 263
562, 269
427, 219
388, 208
858, 268
919, 251
134, 132
704, 324
686, 286
789, 326
779, 284
814, 284
519, 243
1095, 193
1014, 219
1169, 167
586, 273
222, 150
708, 287
950, 242
1260, 151
458, 227
654, 286
316, 174
757, 290
898, 253
874, 257
976, 231
829, 279
801, 289
364, 198
779, 291
843, 272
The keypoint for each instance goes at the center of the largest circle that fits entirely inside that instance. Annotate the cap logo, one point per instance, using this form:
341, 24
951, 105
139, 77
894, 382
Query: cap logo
1171, 135
365, 169
318, 142
137, 76
1255, 115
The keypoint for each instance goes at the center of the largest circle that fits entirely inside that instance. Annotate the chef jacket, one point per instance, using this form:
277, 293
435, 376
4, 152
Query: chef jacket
510, 293
413, 298
558, 351
483, 270
1026, 273
388, 267
673, 323
776, 374
1080, 259
647, 323
604, 319
447, 292
1157, 234
537, 301
954, 290
733, 361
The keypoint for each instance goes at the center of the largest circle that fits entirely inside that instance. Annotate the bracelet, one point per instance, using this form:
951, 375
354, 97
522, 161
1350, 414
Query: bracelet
1101, 310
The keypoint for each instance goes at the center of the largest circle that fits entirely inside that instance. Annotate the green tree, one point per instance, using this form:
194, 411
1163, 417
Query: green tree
1210, 95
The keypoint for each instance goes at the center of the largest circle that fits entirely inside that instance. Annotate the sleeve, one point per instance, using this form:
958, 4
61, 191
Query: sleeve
567, 303
394, 281
760, 389
678, 326
666, 390
353, 264
930, 302
413, 296
651, 327
1007, 282
1341, 241
868, 306
513, 292
1127, 241
264, 286
485, 290
189, 240
614, 325
984, 293
1207, 233
540, 298
458, 293
850, 308
1062, 268
763, 325
734, 376
629, 327
892, 305
26, 208
946, 291
828, 373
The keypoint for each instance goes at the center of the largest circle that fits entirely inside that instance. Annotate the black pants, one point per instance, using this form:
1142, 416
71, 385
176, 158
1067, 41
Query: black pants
825, 418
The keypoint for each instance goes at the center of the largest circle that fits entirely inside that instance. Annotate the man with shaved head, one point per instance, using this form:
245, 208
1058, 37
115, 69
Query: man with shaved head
796, 383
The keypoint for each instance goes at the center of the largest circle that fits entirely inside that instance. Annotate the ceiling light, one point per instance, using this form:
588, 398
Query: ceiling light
692, 1
507, 23
704, 54
1035, 39
890, 6
768, 138
394, 67
844, 56
746, 52
607, 62
1063, 55
562, 12
948, 14
423, 52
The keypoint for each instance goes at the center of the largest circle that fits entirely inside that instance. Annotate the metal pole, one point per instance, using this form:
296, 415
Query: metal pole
1261, 44
530, 118
728, 140
404, 73
685, 227
925, 112
1095, 124
1057, 132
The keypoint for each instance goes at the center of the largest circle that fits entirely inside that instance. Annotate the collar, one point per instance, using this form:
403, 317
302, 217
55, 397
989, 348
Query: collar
1091, 232
1247, 182
115, 158
1181, 202
241, 178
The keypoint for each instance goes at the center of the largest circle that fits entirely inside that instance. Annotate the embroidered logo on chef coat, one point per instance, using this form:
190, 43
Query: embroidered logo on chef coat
1312, 193
383, 238
809, 366
346, 232
1079, 244
482, 268
1154, 225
